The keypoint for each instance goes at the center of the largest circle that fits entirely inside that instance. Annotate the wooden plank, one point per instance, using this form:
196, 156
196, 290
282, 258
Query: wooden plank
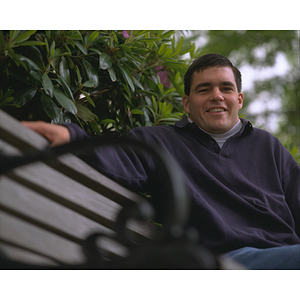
43, 212
17, 232
19, 136
68, 193
20, 254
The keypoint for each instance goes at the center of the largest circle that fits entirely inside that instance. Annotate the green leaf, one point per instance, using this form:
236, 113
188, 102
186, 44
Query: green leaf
36, 75
127, 78
2, 40
112, 74
49, 107
66, 88
107, 121
137, 83
81, 48
161, 87
47, 85
78, 75
136, 112
95, 127
125, 47
84, 113
91, 73
76, 36
105, 61
162, 49
92, 37
28, 62
13, 34
95, 50
169, 91
24, 36
64, 70
88, 83
55, 61
25, 95
88, 98
47, 46
52, 49
154, 39
64, 101
168, 109
32, 43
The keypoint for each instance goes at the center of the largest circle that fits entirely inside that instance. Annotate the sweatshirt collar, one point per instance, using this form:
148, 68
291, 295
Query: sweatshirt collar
185, 122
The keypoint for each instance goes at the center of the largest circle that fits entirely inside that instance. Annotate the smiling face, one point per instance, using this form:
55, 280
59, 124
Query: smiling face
214, 102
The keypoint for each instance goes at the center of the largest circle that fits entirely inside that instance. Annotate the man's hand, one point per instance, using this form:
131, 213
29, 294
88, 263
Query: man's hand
56, 134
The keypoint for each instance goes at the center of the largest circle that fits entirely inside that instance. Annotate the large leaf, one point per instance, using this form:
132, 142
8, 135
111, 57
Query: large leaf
112, 74
88, 98
81, 48
32, 43
49, 107
92, 37
47, 85
127, 78
64, 70
64, 101
91, 73
65, 86
105, 61
84, 113
25, 95
24, 36
28, 62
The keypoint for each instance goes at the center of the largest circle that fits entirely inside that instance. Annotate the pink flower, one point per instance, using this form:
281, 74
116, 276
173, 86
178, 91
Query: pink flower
125, 34
163, 75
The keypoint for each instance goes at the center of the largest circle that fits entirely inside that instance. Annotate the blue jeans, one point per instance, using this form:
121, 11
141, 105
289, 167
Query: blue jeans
278, 258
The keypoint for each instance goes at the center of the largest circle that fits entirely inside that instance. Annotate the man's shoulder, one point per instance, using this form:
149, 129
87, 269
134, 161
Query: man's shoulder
160, 130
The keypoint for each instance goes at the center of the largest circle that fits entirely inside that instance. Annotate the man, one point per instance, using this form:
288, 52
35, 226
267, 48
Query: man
244, 184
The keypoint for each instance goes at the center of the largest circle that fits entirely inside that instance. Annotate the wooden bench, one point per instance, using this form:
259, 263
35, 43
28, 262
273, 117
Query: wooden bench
48, 209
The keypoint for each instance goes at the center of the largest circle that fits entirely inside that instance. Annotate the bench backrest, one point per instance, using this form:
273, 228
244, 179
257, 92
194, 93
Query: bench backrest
48, 209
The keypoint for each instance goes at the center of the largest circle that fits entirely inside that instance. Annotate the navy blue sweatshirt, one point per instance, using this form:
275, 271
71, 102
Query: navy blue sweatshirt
245, 194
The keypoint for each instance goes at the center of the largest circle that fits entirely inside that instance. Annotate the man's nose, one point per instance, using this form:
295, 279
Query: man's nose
216, 95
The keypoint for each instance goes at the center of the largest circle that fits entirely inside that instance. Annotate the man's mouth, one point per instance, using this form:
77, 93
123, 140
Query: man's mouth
216, 110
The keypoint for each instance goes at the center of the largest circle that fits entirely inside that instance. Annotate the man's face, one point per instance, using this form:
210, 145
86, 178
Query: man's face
214, 101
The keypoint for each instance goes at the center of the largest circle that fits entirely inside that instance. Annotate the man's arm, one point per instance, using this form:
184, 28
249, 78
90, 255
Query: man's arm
56, 134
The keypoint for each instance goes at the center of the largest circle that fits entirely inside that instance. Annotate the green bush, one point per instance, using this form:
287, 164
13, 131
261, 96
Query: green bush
105, 81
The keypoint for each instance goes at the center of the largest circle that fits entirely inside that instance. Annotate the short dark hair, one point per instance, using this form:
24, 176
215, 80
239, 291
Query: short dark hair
208, 61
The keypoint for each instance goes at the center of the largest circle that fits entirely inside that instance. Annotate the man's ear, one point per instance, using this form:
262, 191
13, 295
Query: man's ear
186, 102
241, 100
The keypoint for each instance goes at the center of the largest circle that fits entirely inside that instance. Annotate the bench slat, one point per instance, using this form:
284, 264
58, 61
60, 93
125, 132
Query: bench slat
20, 254
39, 210
38, 240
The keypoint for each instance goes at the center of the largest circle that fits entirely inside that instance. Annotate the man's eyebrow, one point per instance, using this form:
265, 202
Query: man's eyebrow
228, 83
205, 84
202, 84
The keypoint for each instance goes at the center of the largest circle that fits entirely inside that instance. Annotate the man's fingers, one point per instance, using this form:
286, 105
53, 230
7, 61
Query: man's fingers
56, 134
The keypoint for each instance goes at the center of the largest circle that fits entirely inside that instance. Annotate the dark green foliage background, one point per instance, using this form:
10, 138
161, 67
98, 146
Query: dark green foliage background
109, 81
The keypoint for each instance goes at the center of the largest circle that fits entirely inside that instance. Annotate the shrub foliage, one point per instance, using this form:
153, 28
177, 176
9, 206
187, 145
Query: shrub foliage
105, 81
